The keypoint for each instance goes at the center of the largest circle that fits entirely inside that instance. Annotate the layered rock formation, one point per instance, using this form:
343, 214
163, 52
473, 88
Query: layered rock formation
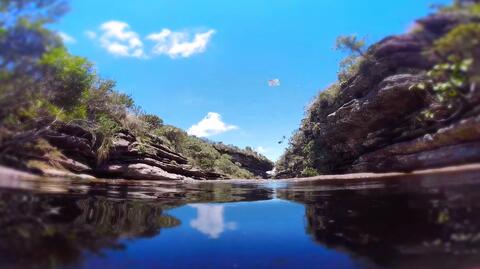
372, 124
251, 161
127, 158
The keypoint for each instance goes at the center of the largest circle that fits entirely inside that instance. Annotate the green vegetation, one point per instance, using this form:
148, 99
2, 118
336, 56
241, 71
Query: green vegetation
468, 7
43, 84
355, 47
200, 152
451, 83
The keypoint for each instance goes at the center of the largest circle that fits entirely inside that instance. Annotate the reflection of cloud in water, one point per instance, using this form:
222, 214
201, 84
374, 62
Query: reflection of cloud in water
210, 220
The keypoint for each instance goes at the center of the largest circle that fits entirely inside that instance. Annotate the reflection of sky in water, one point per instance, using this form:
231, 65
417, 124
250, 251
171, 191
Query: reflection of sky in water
262, 234
210, 220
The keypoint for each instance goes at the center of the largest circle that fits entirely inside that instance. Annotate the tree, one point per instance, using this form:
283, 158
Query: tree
24, 38
65, 77
23, 42
356, 49
350, 44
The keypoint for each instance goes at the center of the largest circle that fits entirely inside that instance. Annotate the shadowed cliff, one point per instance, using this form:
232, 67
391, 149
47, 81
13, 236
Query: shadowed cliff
408, 102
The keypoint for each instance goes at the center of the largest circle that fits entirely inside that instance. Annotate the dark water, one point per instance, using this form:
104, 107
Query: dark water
410, 222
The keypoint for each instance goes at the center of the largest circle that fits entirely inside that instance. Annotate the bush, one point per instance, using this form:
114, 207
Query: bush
309, 172
106, 130
153, 121
200, 152
451, 82
66, 78
462, 42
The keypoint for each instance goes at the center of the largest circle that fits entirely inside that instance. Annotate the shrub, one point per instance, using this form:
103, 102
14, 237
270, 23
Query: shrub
323, 100
451, 82
153, 121
106, 130
200, 152
66, 77
462, 42
309, 172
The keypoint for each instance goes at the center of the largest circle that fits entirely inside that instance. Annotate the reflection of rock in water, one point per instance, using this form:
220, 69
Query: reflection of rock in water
426, 228
41, 231
225, 192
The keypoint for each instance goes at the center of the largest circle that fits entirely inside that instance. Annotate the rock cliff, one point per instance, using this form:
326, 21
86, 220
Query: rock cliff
374, 122
72, 150
247, 159
128, 158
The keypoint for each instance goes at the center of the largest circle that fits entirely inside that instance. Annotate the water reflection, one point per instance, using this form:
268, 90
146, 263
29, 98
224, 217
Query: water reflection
210, 220
46, 231
422, 222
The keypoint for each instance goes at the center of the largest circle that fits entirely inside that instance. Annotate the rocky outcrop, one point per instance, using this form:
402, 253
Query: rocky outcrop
251, 161
372, 124
127, 158
398, 144
455, 144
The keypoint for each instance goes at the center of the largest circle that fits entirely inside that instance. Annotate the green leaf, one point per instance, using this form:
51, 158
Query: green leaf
466, 64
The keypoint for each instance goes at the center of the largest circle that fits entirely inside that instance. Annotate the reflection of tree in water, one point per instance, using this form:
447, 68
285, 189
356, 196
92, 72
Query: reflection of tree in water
436, 228
51, 230
42, 231
220, 192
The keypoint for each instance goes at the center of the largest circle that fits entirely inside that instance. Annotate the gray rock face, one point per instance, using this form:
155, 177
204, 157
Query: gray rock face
350, 126
254, 164
139, 171
372, 125
128, 158
456, 144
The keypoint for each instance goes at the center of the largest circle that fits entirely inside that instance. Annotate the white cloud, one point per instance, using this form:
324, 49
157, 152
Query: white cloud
117, 38
210, 220
212, 124
67, 38
179, 44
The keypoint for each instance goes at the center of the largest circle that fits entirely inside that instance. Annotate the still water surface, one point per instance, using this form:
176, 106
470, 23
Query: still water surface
404, 222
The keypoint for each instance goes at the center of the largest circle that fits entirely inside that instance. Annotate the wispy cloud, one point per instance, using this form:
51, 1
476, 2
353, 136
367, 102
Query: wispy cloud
180, 44
118, 39
210, 220
211, 125
67, 38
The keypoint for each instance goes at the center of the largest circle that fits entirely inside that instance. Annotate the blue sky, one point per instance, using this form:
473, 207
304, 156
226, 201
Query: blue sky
185, 58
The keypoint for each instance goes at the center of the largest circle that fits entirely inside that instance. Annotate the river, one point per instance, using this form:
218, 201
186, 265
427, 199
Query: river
422, 221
